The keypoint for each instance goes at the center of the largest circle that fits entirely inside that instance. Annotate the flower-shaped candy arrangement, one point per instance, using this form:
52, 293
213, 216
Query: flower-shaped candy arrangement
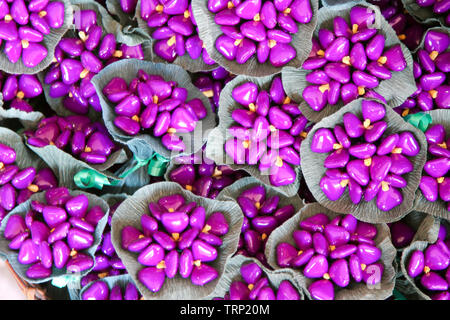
365, 160
438, 7
99, 290
349, 61
79, 58
150, 104
264, 28
55, 233
176, 238
17, 90
268, 132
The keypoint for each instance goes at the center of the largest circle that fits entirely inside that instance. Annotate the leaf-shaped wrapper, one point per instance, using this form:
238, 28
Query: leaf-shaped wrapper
354, 291
426, 235
313, 169
145, 142
233, 273
129, 214
215, 148
22, 210
395, 90
424, 15
209, 31
27, 119
50, 42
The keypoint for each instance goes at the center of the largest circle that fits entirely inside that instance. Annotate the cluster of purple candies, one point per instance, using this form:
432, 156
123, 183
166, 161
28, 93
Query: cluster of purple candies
440, 7
55, 233
435, 184
255, 286
430, 71
18, 89
23, 26
369, 170
79, 58
176, 238
99, 290
340, 251
202, 176
18, 184
349, 61
269, 131
150, 101
430, 268
174, 29
77, 135
252, 27
261, 216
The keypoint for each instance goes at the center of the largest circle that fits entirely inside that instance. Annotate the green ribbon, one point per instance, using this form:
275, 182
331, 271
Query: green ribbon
398, 295
62, 281
419, 120
89, 178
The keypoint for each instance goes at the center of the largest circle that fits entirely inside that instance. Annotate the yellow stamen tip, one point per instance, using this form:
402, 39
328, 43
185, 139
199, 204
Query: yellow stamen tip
8, 18
346, 60
206, 228
433, 93
263, 236
25, 43
217, 173
426, 269
287, 11
186, 14
440, 179
344, 182
354, 28
237, 42
252, 107
279, 162
141, 236
2, 165
175, 236
155, 99
198, 263
159, 8
171, 130
33, 188
103, 275
161, 265
258, 205
87, 149
320, 53
208, 93
188, 187
20, 95
405, 112
326, 276
303, 134
118, 54
397, 150
272, 128
337, 146
73, 253
84, 73
368, 162
52, 230
171, 41
384, 186
82, 35
433, 55
324, 87
246, 144
171, 209
363, 266
382, 60
361, 90
287, 100
257, 17
272, 43
366, 123
135, 118
401, 37
443, 145
250, 286
230, 5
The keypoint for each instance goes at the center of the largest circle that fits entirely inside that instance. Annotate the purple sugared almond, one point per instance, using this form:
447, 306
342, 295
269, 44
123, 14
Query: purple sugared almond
99, 290
365, 160
335, 253
174, 30
107, 262
430, 69
408, 30
150, 104
348, 62
430, 268
268, 131
435, 182
176, 238
202, 176
17, 90
128, 6
439, 8
262, 214
78, 59
76, 135
18, 184
211, 84
256, 286
401, 234
54, 234
23, 26
264, 28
